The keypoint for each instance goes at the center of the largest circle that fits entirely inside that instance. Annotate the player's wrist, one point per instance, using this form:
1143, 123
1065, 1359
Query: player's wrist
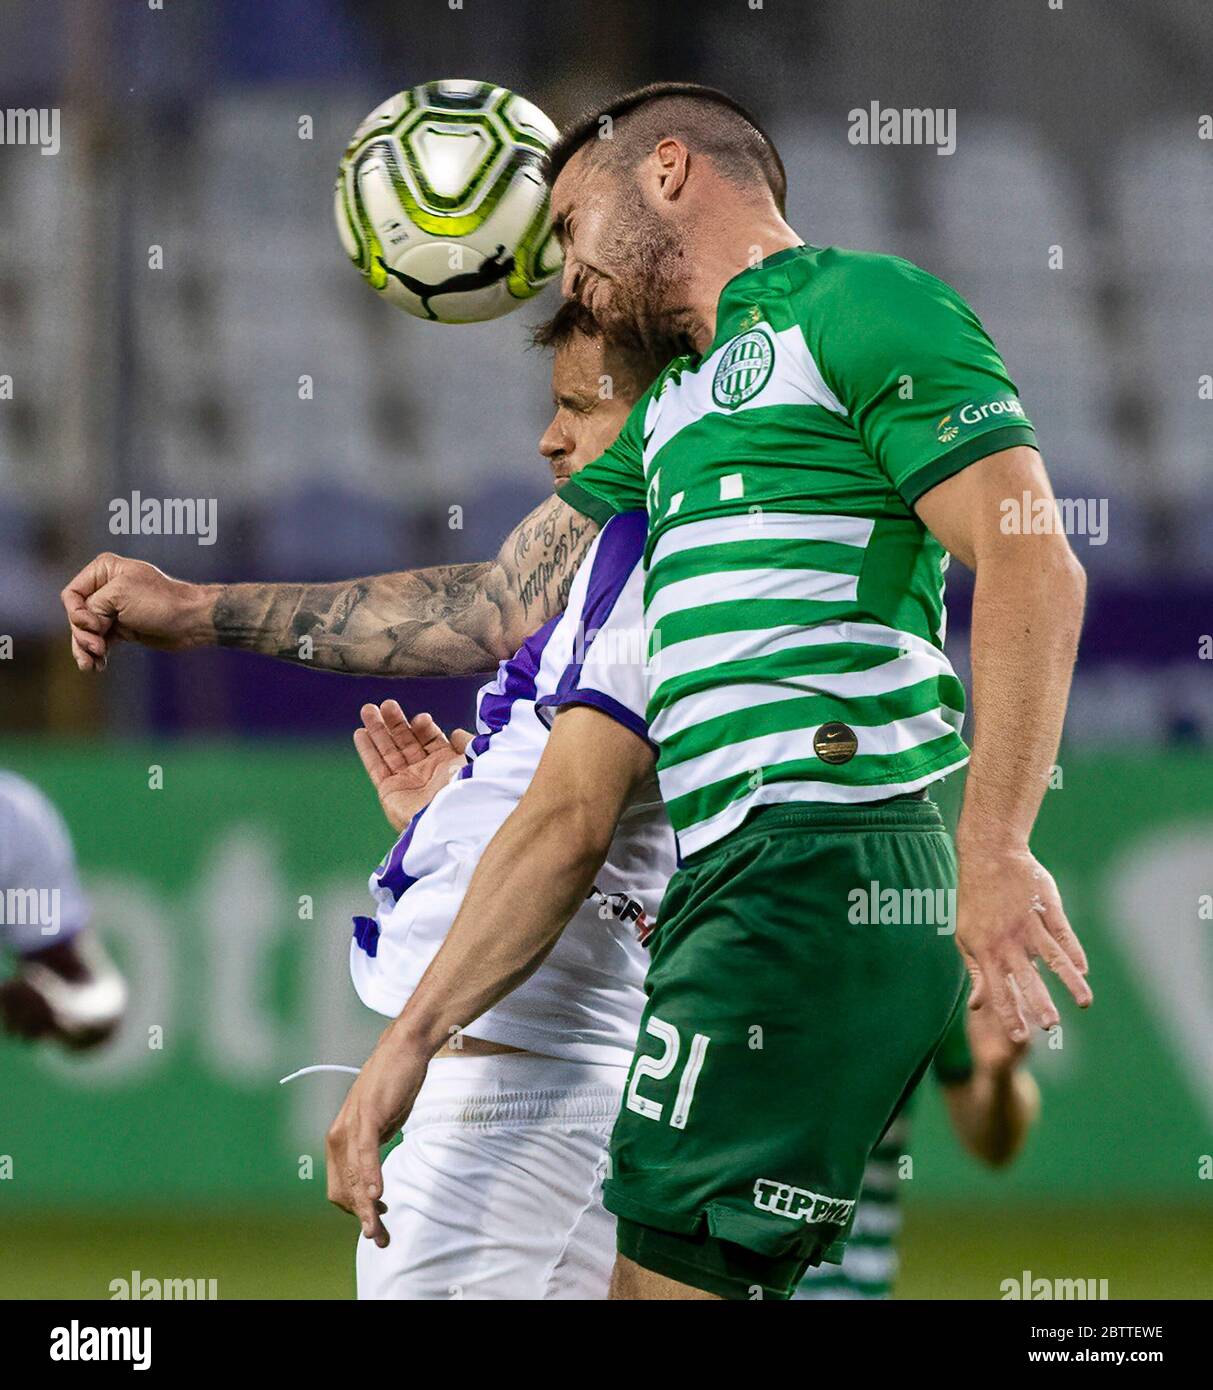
414, 1038
984, 835
196, 612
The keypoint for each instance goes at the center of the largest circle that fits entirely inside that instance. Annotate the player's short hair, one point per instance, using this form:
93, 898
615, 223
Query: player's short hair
570, 319
706, 120
635, 362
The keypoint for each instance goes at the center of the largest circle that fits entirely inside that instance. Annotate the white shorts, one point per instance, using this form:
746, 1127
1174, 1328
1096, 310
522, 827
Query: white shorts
495, 1190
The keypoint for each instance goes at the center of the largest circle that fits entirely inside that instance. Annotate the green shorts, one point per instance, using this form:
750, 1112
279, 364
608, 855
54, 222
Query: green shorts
802, 974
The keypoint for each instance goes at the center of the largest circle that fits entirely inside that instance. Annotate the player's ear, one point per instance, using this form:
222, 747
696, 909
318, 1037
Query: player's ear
669, 161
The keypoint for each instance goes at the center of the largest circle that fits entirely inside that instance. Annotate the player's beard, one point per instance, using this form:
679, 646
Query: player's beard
647, 262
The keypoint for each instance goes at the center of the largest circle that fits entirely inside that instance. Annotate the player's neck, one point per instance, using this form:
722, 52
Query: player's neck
730, 245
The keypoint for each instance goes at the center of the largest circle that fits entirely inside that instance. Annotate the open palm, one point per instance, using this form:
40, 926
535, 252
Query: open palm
408, 761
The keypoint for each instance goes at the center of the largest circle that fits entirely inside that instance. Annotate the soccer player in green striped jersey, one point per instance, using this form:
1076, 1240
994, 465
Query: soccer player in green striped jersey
840, 424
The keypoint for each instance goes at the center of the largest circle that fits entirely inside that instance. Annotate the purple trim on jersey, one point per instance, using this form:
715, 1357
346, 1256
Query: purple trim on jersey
366, 934
597, 700
515, 680
392, 875
620, 550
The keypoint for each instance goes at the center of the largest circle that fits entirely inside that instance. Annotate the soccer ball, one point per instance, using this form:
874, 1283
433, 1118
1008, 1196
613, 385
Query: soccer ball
441, 204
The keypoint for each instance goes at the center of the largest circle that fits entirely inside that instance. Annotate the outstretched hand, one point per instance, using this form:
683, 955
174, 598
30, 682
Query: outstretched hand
408, 761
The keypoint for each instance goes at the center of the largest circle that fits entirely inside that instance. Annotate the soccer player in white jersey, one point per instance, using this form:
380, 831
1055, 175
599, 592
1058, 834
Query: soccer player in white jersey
64, 987
494, 1190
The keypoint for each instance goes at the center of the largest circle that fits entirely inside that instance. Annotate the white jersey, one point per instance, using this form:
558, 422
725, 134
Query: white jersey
584, 1002
41, 901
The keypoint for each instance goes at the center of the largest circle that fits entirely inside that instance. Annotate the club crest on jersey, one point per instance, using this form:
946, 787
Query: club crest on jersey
744, 369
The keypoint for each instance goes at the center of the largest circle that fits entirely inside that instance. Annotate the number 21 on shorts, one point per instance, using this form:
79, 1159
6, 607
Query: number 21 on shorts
659, 1068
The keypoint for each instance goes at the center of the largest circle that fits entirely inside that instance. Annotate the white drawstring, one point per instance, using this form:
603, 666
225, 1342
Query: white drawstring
320, 1066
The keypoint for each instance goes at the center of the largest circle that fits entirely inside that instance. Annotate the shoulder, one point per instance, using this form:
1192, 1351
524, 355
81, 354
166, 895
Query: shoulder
622, 540
840, 278
611, 562
610, 580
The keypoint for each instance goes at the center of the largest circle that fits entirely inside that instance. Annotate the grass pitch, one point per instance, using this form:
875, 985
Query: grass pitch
947, 1252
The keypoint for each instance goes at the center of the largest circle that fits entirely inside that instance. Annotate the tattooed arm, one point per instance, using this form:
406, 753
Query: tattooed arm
449, 620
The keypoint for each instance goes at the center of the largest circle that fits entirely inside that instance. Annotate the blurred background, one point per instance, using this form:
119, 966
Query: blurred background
169, 276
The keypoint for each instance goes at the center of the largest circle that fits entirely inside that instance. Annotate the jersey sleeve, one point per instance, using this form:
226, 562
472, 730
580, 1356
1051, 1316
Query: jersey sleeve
608, 664
953, 1062
614, 481
916, 372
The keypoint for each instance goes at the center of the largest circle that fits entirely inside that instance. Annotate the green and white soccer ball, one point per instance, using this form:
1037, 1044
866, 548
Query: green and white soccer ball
441, 204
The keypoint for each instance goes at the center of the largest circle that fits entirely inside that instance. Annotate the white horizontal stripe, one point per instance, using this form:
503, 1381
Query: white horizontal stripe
706, 832
669, 662
734, 586
697, 653
795, 380
728, 699
750, 754
953, 717
763, 526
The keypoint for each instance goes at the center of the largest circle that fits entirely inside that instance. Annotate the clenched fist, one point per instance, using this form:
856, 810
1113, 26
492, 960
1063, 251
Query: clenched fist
114, 599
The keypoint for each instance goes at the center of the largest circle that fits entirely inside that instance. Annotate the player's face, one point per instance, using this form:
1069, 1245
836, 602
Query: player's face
622, 259
590, 407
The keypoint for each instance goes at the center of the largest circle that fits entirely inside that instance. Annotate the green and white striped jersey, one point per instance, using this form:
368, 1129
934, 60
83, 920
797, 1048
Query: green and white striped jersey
794, 601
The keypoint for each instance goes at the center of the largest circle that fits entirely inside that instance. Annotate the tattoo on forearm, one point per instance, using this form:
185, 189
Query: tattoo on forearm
447, 620
547, 555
